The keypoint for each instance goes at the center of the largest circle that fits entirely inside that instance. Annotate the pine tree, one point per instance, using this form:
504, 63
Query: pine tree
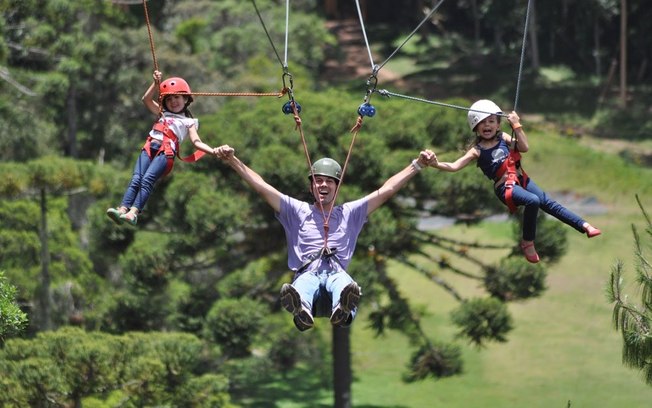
634, 321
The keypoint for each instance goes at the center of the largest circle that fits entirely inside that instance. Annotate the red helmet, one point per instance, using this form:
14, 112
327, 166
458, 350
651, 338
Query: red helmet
175, 85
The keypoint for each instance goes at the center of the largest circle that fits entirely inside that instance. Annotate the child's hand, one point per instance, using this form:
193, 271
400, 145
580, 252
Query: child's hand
514, 120
224, 152
428, 157
157, 76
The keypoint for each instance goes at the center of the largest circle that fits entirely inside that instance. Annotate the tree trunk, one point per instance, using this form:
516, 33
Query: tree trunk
342, 375
476, 24
44, 298
623, 53
532, 33
71, 108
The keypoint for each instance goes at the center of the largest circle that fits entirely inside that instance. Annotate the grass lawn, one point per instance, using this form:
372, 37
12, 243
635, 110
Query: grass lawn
563, 349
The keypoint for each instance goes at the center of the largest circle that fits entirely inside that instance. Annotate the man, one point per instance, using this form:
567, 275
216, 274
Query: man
321, 237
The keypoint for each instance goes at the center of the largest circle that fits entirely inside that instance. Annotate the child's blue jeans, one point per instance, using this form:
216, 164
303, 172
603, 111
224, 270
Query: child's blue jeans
532, 198
146, 172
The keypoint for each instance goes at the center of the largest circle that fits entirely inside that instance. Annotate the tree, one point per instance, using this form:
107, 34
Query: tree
635, 321
12, 319
72, 367
40, 248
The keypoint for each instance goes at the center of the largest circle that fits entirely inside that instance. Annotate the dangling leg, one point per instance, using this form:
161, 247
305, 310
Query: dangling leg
297, 299
530, 203
346, 294
142, 164
560, 212
154, 171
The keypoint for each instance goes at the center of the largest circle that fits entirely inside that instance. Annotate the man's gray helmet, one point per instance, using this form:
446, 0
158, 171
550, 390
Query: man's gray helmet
481, 110
326, 167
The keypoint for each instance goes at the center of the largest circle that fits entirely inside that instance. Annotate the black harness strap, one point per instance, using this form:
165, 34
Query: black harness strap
324, 253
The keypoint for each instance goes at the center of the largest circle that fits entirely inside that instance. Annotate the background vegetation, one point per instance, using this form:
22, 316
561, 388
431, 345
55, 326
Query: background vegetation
183, 310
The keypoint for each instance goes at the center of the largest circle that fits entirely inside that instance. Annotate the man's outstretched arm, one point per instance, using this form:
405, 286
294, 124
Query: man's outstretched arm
398, 180
273, 197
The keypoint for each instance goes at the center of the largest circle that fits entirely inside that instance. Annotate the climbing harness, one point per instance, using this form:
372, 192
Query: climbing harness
324, 253
511, 173
170, 140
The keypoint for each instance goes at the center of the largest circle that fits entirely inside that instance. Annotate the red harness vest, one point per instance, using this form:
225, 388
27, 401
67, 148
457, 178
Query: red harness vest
166, 147
511, 169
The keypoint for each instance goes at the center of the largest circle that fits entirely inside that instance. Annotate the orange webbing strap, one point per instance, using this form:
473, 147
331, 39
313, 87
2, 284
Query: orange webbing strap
512, 167
168, 138
166, 149
149, 33
512, 180
355, 131
277, 94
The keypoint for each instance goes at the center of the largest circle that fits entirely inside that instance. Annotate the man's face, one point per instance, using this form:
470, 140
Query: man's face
323, 189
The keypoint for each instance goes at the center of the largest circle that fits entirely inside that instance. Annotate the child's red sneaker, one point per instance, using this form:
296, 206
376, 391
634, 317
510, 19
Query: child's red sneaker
530, 252
591, 231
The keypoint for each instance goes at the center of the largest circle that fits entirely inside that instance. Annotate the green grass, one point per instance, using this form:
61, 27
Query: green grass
563, 347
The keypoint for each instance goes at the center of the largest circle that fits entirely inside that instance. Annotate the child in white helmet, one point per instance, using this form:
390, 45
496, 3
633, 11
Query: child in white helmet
498, 156
320, 270
174, 124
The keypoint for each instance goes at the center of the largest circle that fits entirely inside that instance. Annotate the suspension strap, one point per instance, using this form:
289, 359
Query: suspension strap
156, 68
293, 107
375, 68
520, 69
149, 33
520, 66
386, 93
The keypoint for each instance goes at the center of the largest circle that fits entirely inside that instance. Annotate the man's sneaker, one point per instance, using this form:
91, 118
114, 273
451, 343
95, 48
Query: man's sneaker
291, 301
348, 301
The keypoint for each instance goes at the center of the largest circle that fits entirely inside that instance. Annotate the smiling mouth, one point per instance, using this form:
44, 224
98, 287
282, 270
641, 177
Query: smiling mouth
323, 193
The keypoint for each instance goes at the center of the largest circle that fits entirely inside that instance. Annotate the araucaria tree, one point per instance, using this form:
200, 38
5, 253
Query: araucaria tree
634, 321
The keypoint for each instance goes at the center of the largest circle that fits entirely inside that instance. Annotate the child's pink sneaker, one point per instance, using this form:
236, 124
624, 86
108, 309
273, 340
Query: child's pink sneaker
530, 252
591, 231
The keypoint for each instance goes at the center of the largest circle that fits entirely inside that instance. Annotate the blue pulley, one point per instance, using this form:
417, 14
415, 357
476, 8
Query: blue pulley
366, 110
287, 108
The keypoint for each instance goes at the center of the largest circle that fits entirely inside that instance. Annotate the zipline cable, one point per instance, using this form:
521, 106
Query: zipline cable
364, 34
293, 107
269, 37
156, 68
520, 67
287, 30
387, 93
375, 68
412, 33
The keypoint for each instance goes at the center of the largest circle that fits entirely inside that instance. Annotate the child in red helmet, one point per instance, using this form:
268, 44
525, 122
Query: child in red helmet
497, 155
174, 124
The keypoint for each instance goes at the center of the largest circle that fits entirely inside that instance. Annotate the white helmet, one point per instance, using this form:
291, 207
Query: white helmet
480, 110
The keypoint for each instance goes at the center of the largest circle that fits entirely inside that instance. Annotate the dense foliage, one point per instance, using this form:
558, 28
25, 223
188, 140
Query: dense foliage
184, 307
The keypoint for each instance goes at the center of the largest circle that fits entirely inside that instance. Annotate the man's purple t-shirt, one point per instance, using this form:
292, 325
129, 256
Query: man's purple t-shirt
304, 229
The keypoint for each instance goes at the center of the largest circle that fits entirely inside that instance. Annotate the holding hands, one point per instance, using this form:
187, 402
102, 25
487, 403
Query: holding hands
224, 152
